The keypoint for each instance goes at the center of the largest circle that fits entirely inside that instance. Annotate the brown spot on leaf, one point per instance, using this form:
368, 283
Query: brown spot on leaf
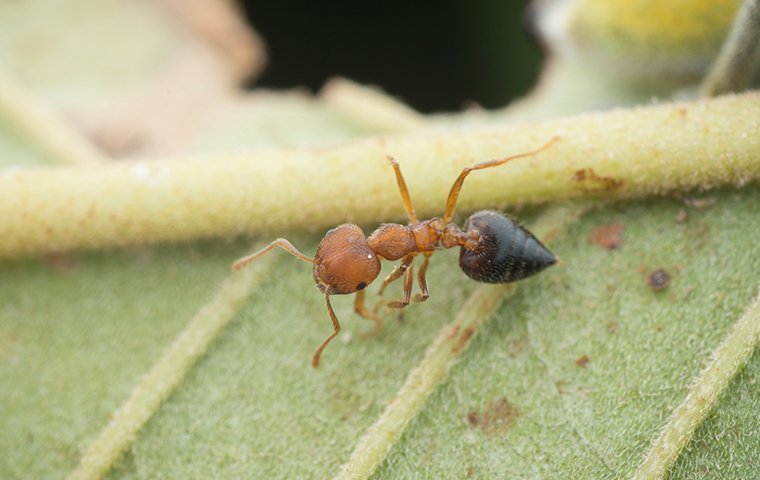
612, 326
588, 180
659, 279
473, 418
496, 419
464, 337
607, 236
582, 361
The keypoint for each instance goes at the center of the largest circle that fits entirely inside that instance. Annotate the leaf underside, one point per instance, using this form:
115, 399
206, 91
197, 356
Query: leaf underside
522, 402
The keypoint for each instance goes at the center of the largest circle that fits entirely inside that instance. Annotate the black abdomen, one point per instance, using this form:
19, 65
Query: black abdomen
507, 252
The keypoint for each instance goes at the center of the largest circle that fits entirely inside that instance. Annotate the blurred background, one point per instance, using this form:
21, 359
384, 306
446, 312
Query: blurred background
435, 57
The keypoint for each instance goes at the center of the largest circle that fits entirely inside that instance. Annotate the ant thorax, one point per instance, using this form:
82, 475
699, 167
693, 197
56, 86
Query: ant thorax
393, 241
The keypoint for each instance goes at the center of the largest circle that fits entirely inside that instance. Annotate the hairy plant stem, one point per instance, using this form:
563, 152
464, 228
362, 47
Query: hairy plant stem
624, 153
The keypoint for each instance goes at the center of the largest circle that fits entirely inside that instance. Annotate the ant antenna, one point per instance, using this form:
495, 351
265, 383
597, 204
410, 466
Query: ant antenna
451, 202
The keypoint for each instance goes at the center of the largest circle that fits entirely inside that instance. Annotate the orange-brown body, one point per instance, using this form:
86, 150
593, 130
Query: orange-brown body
393, 241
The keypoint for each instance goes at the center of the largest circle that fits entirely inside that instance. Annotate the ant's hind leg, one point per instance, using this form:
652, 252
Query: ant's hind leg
336, 329
280, 242
424, 293
366, 313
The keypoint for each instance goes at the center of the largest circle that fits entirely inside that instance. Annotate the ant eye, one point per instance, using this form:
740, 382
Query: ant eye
506, 252
344, 263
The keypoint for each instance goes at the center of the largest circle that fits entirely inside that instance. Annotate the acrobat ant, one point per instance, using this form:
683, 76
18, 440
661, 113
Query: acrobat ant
493, 249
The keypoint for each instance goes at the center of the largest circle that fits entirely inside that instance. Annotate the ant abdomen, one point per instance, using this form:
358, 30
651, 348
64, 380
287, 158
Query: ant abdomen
506, 251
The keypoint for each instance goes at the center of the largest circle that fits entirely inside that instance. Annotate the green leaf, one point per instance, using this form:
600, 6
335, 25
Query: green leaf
78, 333
643, 350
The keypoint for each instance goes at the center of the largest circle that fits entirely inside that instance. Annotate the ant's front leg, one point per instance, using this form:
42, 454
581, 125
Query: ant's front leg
336, 329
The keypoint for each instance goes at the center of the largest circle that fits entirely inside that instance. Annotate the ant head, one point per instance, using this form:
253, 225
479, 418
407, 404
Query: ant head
344, 263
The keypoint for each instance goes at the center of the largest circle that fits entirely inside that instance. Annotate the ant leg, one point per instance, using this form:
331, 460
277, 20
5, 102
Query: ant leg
394, 275
424, 294
280, 242
451, 201
336, 329
408, 205
364, 312
408, 281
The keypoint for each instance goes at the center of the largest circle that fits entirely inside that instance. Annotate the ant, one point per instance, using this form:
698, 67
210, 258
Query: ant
493, 249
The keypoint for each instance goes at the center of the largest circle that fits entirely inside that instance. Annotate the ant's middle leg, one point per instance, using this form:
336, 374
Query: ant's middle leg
424, 293
408, 281
397, 272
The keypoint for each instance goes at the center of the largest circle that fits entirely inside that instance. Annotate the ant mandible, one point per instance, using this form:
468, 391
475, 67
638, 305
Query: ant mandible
493, 249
